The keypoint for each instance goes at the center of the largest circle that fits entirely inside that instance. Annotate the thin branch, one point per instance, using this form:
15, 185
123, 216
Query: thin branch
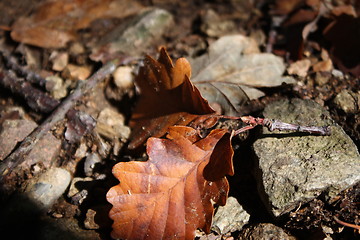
347, 224
35, 98
29, 75
272, 125
19, 155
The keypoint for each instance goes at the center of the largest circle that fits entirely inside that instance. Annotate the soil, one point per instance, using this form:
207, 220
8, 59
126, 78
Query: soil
306, 222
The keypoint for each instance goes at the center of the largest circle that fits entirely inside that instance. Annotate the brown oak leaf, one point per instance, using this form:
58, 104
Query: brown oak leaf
54, 23
167, 98
169, 197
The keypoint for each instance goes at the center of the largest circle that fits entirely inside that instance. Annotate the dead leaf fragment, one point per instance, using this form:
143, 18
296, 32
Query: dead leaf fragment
323, 66
54, 23
300, 67
232, 69
167, 97
343, 33
168, 196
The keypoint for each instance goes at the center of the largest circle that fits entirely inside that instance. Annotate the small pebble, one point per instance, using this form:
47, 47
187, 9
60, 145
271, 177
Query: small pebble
90, 163
347, 101
89, 222
123, 77
45, 190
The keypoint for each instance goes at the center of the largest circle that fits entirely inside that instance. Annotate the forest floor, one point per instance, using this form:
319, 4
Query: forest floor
317, 41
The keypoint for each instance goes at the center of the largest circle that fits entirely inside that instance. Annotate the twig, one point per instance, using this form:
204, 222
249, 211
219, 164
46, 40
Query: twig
29, 75
278, 125
35, 98
347, 224
19, 155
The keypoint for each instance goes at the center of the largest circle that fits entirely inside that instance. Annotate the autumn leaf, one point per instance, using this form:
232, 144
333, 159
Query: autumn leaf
169, 197
167, 98
54, 23
232, 70
343, 34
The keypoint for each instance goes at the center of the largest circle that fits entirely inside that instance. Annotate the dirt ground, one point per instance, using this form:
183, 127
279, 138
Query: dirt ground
190, 36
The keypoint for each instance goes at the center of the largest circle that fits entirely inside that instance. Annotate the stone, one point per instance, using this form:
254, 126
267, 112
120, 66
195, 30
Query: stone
230, 218
60, 60
300, 67
295, 168
76, 48
337, 73
48, 187
12, 132
79, 72
123, 77
90, 163
322, 78
110, 124
45, 151
348, 101
81, 151
89, 222
132, 38
56, 86
265, 231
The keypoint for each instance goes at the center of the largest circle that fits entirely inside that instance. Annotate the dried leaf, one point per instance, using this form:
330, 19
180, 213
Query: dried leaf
228, 95
54, 23
298, 24
231, 69
167, 98
168, 196
343, 34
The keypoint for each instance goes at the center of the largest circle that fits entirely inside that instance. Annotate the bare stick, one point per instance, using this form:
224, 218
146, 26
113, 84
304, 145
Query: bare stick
347, 224
19, 155
35, 98
278, 125
29, 75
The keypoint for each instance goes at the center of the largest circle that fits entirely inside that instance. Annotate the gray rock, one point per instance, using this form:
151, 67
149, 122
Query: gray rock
46, 189
348, 101
230, 218
295, 168
90, 163
265, 231
132, 38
